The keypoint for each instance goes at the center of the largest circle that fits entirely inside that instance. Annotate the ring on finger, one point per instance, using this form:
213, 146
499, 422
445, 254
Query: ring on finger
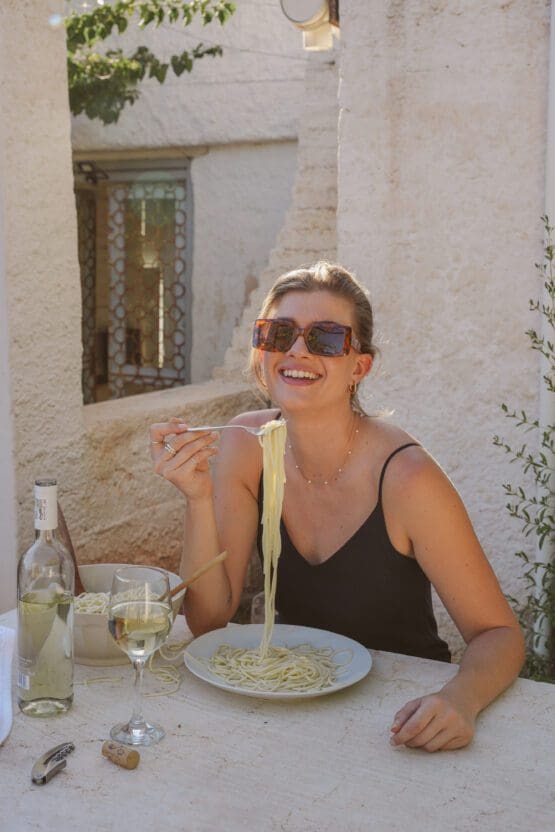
156, 442
170, 449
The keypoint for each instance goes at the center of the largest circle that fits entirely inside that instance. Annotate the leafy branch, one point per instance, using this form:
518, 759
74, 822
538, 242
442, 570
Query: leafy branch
101, 85
536, 513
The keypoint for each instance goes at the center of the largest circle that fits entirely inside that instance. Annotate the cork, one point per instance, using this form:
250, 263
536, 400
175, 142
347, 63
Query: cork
121, 755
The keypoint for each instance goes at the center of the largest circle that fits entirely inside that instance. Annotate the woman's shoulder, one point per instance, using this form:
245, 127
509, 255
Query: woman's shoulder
412, 479
407, 460
240, 453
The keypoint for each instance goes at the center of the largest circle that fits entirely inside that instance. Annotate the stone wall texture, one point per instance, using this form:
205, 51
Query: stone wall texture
8, 557
124, 512
309, 229
241, 194
41, 276
115, 506
441, 187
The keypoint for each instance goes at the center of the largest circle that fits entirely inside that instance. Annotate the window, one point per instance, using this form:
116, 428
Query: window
133, 226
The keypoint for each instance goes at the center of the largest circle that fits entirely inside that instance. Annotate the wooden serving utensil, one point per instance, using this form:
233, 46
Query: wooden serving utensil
198, 572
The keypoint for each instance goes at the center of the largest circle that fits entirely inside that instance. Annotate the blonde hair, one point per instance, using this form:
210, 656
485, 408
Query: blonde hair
333, 278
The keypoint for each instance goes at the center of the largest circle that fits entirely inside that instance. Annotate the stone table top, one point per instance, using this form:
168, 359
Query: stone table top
238, 764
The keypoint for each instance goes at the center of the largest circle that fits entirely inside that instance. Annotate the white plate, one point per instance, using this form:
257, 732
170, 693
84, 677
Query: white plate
284, 635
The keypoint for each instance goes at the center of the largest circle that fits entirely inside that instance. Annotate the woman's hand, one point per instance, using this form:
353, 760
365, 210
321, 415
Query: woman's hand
188, 468
436, 722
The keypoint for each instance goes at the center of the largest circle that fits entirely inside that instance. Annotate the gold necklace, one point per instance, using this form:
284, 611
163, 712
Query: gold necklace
337, 472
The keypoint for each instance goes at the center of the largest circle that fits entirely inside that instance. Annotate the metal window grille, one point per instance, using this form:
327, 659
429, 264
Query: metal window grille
86, 221
140, 304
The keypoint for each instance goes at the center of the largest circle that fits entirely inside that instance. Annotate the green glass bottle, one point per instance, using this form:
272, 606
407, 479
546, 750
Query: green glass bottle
45, 590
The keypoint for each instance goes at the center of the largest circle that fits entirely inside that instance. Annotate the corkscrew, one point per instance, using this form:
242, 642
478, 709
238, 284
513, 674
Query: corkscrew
50, 763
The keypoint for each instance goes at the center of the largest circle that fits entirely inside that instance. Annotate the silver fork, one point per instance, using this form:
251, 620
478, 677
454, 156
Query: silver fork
254, 431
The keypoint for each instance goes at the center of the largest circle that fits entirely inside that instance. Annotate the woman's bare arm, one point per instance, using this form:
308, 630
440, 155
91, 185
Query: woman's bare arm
221, 513
232, 519
438, 532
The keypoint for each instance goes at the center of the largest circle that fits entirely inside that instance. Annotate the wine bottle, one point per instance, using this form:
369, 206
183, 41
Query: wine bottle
45, 590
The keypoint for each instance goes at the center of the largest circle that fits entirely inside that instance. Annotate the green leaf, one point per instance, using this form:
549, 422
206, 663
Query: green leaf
100, 86
536, 514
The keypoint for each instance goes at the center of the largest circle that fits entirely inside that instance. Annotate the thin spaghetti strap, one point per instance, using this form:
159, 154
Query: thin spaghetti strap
389, 458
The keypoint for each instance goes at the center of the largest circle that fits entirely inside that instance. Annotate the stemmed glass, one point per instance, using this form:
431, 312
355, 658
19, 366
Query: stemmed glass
139, 620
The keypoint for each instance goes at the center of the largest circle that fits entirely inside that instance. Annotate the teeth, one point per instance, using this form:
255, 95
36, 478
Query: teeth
299, 374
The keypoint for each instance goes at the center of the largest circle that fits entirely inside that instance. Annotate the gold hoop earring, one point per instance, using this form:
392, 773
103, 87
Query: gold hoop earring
353, 387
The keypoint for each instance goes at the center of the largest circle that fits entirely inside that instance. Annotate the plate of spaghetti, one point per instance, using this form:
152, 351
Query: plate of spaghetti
276, 661
300, 662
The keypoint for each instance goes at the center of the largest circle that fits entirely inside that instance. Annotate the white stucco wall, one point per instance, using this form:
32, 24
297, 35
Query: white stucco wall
441, 186
309, 228
116, 507
240, 111
241, 194
40, 272
8, 548
253, 92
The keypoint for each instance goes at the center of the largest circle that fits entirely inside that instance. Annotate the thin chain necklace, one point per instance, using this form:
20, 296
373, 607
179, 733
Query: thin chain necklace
337, 473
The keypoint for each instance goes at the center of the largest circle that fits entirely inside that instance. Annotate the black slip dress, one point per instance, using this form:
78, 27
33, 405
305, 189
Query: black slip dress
367, 590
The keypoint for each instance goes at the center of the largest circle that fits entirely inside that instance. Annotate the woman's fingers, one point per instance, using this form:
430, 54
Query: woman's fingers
445, 741
419, 719
174, 434
432, 723
198, 461
191, 441
160, 430
405, 713
182, 457
434, 727
456, 742
442, 740
183, 454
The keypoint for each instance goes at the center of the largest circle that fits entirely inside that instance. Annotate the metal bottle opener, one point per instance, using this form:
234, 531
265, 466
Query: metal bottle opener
51, 763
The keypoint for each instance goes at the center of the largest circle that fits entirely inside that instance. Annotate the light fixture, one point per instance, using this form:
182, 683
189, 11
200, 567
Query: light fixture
318, 20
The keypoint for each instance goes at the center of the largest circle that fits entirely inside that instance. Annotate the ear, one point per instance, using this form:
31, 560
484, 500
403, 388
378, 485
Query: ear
362, 367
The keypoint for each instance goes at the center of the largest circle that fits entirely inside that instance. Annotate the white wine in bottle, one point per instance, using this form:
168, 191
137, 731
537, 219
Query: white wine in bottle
45, 588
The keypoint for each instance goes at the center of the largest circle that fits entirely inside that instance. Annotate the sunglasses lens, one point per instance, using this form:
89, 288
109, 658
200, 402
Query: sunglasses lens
331, 340
321, 338
275, 336
284, 336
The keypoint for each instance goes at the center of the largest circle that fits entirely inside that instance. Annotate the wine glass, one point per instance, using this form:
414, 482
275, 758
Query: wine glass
139, 620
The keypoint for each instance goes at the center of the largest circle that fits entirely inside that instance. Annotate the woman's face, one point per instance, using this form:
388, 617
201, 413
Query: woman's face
298, 379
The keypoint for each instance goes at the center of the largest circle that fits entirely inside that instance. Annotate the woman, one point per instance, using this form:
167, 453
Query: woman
369, 519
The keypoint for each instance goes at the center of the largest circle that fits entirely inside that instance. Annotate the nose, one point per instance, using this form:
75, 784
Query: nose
298, 345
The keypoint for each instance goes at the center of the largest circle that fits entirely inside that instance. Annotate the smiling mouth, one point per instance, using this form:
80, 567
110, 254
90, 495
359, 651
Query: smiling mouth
305, 375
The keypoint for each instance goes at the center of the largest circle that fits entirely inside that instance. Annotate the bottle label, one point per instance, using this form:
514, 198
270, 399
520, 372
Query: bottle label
46, 507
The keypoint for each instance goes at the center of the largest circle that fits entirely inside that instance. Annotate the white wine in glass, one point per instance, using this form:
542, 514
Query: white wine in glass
139, 620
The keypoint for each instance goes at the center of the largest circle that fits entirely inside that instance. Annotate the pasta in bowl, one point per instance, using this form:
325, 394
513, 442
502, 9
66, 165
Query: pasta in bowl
93, 644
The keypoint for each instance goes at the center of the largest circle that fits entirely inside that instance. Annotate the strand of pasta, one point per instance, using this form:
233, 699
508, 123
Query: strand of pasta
269, 668
95, 602
98, 602
166, 674
298, 669
273, 471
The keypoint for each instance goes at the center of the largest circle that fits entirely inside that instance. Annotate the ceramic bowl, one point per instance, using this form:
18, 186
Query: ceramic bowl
92, 643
